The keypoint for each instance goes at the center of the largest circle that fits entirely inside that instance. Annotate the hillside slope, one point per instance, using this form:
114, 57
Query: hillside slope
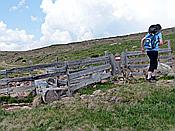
114, 106
139, 106
77, 50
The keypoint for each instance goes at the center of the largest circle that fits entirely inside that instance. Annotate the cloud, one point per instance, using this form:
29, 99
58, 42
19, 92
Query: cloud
14, 39
33, 18
76, 20
21, 4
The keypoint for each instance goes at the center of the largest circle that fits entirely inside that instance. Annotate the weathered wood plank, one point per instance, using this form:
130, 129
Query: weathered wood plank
136, 60
169, 57
146, 59
83, 78
3, 72
137, 73
73, 70
5, 90
62, 82
123, 59
32, 78
98, 78
30, 68
169, 63
23, 89
87, 61
16, 89
113, 64
79, 79
134, 53
89, 71
68, 79
137, 66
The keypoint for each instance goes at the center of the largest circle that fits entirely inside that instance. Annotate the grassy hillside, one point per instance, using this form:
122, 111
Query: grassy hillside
137, 106
78, 50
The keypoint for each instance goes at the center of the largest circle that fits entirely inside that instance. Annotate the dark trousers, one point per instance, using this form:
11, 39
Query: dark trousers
153, 57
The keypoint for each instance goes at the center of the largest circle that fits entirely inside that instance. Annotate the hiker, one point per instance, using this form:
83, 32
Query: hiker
151, 43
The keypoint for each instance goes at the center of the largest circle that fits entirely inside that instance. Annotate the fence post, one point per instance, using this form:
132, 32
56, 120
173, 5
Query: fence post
123, 59
113, 64
170, 53
6, 74
31, 73
57, 77
68, 80
169, 45
126, 58
106, 54
8, 84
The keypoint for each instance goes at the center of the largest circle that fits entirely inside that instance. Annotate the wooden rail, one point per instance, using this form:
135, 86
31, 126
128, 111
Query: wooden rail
30, 68
71, 74
136, 61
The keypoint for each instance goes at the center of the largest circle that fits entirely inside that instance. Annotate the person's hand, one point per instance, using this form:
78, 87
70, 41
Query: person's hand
165, 41
142, 49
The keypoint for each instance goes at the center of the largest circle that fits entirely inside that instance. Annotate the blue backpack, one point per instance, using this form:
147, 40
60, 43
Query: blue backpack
150, 42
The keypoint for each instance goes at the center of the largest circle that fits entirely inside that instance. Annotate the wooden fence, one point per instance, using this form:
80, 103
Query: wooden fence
58, 78
63, 78
136, 61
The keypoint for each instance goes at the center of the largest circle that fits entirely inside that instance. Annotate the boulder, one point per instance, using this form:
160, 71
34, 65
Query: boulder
97, 92
163, 69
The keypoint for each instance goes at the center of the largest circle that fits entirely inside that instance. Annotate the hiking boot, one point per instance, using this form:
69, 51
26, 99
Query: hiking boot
154, 78
149, 80
146, 78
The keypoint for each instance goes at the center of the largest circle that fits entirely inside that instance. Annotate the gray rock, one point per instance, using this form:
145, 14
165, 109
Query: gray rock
97, 92
37, 101
171, 74
164, 69
91, 105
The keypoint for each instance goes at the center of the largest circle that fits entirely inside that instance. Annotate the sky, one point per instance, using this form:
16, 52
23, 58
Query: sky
31, 24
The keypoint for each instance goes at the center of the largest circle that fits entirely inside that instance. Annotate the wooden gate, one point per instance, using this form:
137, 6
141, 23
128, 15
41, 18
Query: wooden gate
136, 61
58, 79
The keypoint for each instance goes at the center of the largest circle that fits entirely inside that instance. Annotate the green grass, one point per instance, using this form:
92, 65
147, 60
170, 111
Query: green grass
167, 78
90, 89
98, 50
1, 68
8, 99
64, 53
143, 106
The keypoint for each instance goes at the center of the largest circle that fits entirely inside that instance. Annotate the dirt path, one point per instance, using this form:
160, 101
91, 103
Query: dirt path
16, 106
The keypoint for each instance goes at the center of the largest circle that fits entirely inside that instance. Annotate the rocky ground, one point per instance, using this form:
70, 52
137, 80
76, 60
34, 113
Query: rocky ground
95, 99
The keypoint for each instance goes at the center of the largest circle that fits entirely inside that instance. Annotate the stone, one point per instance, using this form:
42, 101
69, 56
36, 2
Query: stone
91, 105
113, 99
162, 69
36, 101
104, 81
134, 47
97, 92
85, 98
94, 86
171, 74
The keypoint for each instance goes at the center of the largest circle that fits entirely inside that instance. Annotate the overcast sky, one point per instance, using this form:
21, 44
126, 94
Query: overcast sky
29, 24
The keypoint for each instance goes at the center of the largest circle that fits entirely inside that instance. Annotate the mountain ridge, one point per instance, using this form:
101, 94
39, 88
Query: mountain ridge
75, 50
